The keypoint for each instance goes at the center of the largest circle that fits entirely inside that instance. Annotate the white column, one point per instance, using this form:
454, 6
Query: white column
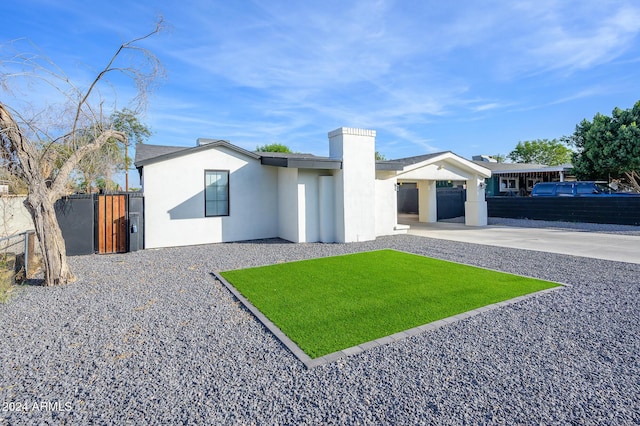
288, 215
327, 209
427, 201
475, 208
302, 213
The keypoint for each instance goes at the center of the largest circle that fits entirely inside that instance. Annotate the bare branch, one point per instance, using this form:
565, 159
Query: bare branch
60, 181
109, 68
45, 151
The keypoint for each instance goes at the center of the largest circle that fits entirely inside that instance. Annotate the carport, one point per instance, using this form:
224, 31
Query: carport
426, 170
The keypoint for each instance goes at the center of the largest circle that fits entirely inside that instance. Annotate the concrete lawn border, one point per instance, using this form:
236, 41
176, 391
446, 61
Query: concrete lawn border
354, 350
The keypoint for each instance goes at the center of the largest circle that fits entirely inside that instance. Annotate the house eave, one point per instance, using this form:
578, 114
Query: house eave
565, 169
193, 150
302, 163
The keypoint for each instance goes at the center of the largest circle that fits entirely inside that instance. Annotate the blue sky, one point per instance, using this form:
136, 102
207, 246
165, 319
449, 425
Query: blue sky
473, 77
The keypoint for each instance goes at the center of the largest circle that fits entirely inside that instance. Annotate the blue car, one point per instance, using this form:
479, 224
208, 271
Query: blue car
576, 189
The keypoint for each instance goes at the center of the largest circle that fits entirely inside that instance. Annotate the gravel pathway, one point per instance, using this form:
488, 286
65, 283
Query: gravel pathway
150, 338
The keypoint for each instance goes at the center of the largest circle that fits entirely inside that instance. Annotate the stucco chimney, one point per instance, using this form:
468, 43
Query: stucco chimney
354, 183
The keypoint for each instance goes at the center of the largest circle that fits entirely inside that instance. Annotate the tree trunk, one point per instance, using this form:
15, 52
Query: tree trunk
52, 247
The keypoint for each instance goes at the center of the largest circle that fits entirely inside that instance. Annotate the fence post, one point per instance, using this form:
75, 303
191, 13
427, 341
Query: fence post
29, 237
26, 254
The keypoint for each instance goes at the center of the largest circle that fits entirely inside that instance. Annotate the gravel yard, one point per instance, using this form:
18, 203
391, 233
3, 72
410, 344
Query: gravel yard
150, 338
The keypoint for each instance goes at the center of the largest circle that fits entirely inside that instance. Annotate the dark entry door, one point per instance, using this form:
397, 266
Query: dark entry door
112, 224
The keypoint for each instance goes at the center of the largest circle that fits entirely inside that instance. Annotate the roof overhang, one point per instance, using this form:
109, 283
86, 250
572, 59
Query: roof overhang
204, 145
310, 162
564, 168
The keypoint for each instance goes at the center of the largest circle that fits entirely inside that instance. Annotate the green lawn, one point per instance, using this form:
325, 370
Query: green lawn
328, 304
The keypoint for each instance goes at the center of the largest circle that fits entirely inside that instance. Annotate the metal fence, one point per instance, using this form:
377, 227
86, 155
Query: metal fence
21, 247
615, 210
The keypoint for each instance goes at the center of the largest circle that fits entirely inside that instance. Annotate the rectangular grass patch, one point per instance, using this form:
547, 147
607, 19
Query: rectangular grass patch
329, 304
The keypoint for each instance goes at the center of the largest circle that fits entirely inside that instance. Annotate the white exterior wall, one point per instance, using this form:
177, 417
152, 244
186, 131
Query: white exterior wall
355, 183
308, 188
298, 205
288, 223
174, 200
14, 216
326, 209
386, 205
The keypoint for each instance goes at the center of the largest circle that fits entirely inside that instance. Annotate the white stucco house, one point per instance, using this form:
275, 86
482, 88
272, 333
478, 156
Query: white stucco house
218, 192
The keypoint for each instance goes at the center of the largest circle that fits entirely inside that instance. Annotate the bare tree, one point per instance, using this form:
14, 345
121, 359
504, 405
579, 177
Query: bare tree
45, 153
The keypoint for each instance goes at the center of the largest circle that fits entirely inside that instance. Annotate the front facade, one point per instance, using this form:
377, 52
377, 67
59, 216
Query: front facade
180, 208
217, 192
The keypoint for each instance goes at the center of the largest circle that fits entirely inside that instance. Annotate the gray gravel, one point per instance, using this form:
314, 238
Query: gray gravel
150, 338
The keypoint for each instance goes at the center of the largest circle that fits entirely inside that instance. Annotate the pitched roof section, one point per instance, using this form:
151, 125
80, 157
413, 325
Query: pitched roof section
504, 168
419, 158
300, 161
437, 166
401, 163
148, 154
145, 152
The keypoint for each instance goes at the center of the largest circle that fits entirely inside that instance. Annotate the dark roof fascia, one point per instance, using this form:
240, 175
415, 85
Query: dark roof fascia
311, 162
196, 149
146, 151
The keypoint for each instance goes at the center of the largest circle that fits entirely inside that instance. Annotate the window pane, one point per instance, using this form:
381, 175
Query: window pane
210, 192
216, 193
586, 188
222, 208
223, 178
210, 208
221, 193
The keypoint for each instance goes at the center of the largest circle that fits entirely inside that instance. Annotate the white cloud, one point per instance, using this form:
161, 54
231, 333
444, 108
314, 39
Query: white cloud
292, 70
570, 36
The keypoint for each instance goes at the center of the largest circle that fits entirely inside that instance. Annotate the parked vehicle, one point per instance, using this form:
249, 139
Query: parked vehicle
575, 189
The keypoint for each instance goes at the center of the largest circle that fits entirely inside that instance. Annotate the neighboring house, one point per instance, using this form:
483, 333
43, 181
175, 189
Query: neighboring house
218, 192
519, 178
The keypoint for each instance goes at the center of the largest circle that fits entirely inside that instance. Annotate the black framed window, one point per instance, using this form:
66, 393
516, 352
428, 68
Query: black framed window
216, 193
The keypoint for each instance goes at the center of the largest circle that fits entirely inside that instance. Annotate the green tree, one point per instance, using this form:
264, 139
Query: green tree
380, 157
608, 147
541, 151
273, 147
500, 158
113, 156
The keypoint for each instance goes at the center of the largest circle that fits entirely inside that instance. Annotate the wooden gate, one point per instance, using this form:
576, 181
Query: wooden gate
112, 224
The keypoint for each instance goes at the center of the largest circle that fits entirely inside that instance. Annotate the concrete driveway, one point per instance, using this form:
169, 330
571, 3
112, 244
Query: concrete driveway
617, 247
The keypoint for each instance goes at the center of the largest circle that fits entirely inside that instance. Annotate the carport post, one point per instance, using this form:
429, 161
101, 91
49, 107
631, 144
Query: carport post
475, 208
427, 201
